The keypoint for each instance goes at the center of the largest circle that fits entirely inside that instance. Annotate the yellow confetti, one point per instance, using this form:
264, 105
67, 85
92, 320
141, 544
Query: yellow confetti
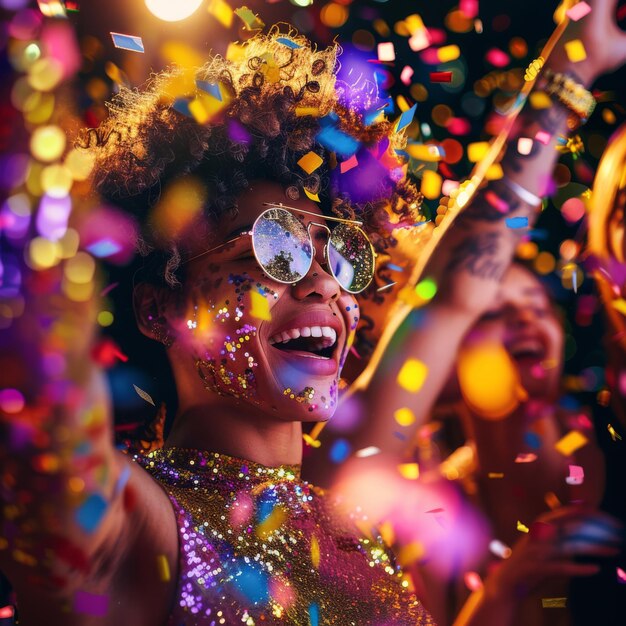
387, 533
423, 152
271, 523
221, 12
448, 53
477, 150
315, 552
310, 162
575, 50
304, 111
412, 375
553, 603
571, 442
614, 434
522, 527
314, 443
619, 305
431, 184
539, 100
404, 416
410, 553
495, 475
260, 307
164, 568
410, 471
533, 69
494, 172
311, 196
249, 19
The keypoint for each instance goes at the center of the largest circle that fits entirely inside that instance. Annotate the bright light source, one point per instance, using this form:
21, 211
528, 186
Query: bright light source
172, 10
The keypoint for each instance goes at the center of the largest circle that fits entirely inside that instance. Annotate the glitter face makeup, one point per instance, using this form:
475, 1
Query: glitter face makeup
279, 347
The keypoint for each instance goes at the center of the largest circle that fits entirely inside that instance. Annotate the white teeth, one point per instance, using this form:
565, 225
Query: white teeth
329, 335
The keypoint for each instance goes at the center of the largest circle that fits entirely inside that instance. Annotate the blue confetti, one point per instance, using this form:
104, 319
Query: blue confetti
182, 106
104, 248
91, 511
532, 440
339, 451
121, 481
394, 267
406, 118
213, 89
288, 42
314, 615
127, 42
252, 582
516, 222
338, 141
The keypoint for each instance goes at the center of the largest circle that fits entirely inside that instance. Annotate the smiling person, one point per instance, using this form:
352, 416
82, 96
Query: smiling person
251, 287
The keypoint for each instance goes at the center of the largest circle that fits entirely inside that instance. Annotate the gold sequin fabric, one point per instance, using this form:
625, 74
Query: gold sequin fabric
260, 546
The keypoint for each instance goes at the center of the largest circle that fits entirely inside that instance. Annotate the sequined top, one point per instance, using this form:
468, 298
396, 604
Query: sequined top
259, 546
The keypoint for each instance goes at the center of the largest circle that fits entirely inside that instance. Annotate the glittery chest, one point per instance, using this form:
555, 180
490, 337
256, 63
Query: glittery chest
260, 546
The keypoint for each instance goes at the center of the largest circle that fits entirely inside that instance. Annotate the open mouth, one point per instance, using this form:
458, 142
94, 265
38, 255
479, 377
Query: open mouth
310, 341
527, 350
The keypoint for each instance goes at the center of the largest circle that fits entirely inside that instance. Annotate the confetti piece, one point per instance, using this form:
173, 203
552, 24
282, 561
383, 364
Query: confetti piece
533, 69
495, 475
419, 40
516, 222
406, 74
249, 19
477, 151
431, 184
314, 443
163, 568
410, 471
310, 162
260, 307
571, 442
412, 375
6, 612
91, 511
614, 434
288, 42
365, 452
525, 457
122, 481
108, 289
339, 451
578, 11
448, 53
552, 500
576, 475
524, 145
472, 581
127, 42
543, 137
213, 89
348, 164
553, 603
311, 196
272, 522
314, 615
522, 527
386, 51
315, 552
338, 141
222, 12
500, 549
440, 77
406, 118
144, 395
410, 553
621, 575
575, 50
91, 604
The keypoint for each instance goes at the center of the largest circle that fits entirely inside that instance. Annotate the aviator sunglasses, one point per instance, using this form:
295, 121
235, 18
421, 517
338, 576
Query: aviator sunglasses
283, 247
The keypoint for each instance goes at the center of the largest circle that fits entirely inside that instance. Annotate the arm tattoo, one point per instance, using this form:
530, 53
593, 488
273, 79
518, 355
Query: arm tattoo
479, 257
492, 204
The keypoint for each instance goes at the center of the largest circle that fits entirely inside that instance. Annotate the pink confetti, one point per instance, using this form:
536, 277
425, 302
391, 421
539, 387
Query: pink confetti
578, 11
525, 457
543, 137
420, 40
469, 8
576, 475
472, 581
407, 73
621, 575
498, 58
347, 165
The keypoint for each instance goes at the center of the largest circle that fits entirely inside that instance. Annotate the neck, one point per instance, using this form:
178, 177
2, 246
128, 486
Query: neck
239, 430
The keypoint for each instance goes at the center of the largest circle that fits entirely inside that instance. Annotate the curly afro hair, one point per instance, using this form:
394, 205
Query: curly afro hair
251, 115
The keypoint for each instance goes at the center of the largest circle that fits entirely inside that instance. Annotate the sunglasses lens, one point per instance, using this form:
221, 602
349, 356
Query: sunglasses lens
351, 258
282, 245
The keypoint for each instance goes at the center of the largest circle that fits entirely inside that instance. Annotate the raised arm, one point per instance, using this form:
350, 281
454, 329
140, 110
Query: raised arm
476, 250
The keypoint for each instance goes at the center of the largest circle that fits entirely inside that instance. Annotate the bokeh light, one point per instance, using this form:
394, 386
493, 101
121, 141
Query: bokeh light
172, 10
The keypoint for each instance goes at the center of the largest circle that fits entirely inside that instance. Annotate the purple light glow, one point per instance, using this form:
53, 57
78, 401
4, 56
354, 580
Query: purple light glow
52, 216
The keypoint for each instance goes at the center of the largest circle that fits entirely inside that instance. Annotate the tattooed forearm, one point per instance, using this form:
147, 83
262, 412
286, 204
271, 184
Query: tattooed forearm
492, 203
479, 256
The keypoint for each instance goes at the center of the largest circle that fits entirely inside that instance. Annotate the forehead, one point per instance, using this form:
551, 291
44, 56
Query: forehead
250, 204
520, 284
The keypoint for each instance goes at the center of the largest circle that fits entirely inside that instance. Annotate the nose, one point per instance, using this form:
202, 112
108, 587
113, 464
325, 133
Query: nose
318, 283
522, 316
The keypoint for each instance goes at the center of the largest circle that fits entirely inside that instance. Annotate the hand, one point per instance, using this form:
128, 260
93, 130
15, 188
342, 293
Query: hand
604, 42
553, 548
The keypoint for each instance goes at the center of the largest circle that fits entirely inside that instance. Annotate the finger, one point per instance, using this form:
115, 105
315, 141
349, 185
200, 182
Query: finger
580, 548
567, 569
600, 528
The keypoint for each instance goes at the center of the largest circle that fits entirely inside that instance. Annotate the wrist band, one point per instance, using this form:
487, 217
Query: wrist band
522, 193
570, 94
